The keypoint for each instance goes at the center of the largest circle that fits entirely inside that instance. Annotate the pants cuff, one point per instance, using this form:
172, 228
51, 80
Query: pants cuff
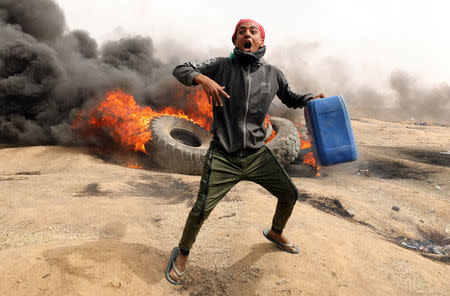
184, 252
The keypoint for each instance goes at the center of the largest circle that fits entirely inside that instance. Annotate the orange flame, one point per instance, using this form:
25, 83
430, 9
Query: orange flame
133, 165
308, 159
128, 124
196, 106
266, 124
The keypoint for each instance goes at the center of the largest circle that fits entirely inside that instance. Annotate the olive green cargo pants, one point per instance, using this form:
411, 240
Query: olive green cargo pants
223, 170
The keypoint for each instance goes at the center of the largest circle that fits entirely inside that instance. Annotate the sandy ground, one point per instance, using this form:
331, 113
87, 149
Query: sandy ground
76, 222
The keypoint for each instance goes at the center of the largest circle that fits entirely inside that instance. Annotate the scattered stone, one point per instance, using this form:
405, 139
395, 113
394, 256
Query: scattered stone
447, 249
439, 250
281, 282
114, 284
420, 122
255, 271
42, 258
395, 208
156, 220
431, 211
438, 187
423, 246
351, 213
364, 172
227, 216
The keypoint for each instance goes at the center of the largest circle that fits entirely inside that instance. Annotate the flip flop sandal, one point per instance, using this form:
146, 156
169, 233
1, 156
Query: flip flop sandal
173, 257
282, 246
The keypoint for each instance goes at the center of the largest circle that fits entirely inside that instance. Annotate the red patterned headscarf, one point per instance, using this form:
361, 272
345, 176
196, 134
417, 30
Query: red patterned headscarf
260, 28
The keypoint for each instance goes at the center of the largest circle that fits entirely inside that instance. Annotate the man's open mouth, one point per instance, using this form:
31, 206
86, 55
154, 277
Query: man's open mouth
247, 44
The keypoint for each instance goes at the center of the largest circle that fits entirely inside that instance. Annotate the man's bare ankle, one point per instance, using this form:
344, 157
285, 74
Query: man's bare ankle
181, 258
280, 237
274, 233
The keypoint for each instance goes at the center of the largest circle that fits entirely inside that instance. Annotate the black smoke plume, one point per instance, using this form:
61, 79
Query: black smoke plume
47, 73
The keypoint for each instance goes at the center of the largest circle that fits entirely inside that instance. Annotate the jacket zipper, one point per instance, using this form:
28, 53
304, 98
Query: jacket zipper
246, 106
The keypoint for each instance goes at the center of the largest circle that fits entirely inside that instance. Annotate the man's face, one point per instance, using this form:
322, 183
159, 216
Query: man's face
248, 38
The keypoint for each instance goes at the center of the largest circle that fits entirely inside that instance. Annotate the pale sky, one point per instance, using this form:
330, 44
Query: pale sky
375, 36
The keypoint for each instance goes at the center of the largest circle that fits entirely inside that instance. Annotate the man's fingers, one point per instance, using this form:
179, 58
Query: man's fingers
216, 97
214, 94
218, 100
215, 102
209, 94
321, 95
224, 92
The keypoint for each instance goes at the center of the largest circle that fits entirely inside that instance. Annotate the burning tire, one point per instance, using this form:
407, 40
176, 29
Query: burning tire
285, 146
178, 144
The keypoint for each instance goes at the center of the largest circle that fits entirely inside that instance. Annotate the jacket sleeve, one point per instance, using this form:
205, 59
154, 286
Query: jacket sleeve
185, 73
287, 96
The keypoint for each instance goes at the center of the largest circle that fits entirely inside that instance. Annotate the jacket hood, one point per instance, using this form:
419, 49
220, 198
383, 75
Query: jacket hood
246, 58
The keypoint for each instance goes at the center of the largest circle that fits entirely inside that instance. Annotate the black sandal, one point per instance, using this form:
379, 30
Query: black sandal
171, 264
282, 246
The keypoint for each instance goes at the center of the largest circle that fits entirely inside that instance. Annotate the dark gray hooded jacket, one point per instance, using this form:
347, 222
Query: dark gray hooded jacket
252, 84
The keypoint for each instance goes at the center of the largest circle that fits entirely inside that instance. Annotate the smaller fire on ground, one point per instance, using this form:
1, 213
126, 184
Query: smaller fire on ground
134, 165
308, 158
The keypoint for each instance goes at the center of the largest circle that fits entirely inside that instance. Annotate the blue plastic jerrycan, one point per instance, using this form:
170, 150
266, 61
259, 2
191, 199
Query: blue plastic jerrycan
330, 131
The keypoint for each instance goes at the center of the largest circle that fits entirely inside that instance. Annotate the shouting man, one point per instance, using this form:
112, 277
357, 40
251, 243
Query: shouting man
240, 88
